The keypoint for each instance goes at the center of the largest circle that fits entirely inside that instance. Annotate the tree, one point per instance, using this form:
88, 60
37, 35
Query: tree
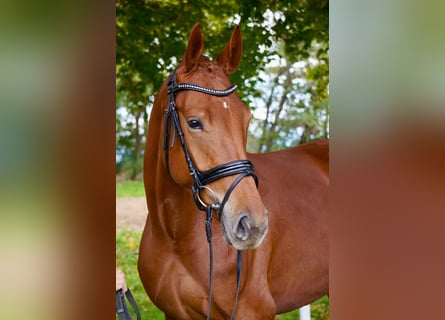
296, 104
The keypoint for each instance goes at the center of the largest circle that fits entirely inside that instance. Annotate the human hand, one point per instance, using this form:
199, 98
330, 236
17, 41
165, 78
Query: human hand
120, 280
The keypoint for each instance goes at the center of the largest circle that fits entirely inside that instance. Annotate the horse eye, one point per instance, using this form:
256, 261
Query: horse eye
195, 124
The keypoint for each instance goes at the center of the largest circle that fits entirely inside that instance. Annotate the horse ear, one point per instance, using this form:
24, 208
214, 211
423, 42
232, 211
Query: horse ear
195, 48
230, 56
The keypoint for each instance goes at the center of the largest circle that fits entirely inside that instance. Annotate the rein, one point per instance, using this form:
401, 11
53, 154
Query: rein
122, 310
242, 168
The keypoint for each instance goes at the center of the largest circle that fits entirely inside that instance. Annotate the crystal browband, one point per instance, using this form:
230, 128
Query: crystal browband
213, 92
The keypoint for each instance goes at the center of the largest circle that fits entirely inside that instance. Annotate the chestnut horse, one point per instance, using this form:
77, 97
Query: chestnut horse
196, 141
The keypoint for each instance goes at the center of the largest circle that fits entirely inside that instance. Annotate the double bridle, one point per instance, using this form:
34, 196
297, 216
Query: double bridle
242, 168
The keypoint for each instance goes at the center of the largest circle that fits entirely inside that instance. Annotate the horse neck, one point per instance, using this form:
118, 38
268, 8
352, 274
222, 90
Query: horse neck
171, 207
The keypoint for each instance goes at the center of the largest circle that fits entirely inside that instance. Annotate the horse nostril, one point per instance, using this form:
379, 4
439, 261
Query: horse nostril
243, 228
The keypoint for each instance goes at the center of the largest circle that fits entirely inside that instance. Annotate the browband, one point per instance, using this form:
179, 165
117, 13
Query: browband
196, 87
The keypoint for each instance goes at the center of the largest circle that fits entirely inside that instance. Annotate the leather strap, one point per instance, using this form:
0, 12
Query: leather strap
227, 169
239, 261
122, 308
198, 88
209, 215
239, 256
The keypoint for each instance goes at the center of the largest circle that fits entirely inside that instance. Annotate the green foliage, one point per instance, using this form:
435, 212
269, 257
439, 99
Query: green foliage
130, 189
299, 112
127, 248
319, 311
152, 35
131, 168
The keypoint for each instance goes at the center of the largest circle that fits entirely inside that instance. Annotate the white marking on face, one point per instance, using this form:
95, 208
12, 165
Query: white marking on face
225, 105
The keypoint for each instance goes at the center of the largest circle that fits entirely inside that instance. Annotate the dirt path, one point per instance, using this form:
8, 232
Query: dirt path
131, 213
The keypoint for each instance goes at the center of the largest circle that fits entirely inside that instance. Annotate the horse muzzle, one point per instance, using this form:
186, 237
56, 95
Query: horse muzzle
243, 231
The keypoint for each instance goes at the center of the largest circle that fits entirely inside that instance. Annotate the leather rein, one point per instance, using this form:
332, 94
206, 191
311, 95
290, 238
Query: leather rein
242, 168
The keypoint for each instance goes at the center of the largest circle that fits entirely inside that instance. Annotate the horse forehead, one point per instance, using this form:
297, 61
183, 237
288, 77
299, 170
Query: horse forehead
230, 106
208, 74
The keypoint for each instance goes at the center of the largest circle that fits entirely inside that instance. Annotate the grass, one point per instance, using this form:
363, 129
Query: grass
127, 247
319, 311
130, 189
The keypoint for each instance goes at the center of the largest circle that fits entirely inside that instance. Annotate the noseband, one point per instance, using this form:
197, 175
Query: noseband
242, 168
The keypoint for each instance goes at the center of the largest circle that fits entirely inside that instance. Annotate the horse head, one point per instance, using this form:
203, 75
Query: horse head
214, 128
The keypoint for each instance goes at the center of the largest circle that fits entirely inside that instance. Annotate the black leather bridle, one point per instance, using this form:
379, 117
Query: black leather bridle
242, 168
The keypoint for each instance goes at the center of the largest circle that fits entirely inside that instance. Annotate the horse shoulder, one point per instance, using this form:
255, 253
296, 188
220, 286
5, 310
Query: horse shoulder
294, 186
